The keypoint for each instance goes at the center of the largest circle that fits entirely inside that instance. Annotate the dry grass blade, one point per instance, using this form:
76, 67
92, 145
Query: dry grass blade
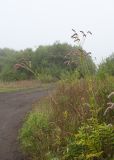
111, 94
111, 107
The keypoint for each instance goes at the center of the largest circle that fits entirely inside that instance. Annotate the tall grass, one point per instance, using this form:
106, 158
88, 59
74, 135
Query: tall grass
80, 126
70, 119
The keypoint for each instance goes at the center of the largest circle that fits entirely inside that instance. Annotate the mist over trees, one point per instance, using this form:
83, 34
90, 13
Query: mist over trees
46, 61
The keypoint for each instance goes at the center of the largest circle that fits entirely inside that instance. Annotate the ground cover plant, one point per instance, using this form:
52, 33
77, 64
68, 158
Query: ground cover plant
76, 122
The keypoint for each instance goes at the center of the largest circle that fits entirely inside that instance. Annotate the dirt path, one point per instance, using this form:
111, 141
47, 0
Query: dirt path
13, 107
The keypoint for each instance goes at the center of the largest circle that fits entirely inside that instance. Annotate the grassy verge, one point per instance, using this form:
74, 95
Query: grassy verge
70, 124
23, 85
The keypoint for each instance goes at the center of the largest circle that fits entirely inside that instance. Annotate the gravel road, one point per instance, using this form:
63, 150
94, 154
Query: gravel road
13, 108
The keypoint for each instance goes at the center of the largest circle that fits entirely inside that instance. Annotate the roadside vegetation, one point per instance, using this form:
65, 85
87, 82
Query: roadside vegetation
23, 85
76, 121
72, 123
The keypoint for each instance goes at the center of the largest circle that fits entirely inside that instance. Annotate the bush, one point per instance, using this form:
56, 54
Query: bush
107, 66
45, 77
34, 135
92, 142
39, 138
11, 75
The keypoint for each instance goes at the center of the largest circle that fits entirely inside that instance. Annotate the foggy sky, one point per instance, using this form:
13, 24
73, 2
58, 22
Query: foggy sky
30, 23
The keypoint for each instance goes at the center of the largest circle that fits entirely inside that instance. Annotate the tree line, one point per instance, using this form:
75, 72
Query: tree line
50, 61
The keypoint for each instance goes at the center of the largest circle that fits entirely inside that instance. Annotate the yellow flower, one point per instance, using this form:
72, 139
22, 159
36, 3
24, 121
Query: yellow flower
65, 114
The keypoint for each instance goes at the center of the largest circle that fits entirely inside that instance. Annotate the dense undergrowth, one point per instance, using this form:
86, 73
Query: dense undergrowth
77, 121
71, 124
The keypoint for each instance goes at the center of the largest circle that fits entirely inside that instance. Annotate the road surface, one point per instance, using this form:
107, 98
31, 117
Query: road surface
13, 108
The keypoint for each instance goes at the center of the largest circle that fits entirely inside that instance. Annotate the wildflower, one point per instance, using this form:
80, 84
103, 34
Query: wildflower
65, 114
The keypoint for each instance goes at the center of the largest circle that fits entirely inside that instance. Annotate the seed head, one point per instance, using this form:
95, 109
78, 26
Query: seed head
110, 95
111, 107
89, 32
73, 30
